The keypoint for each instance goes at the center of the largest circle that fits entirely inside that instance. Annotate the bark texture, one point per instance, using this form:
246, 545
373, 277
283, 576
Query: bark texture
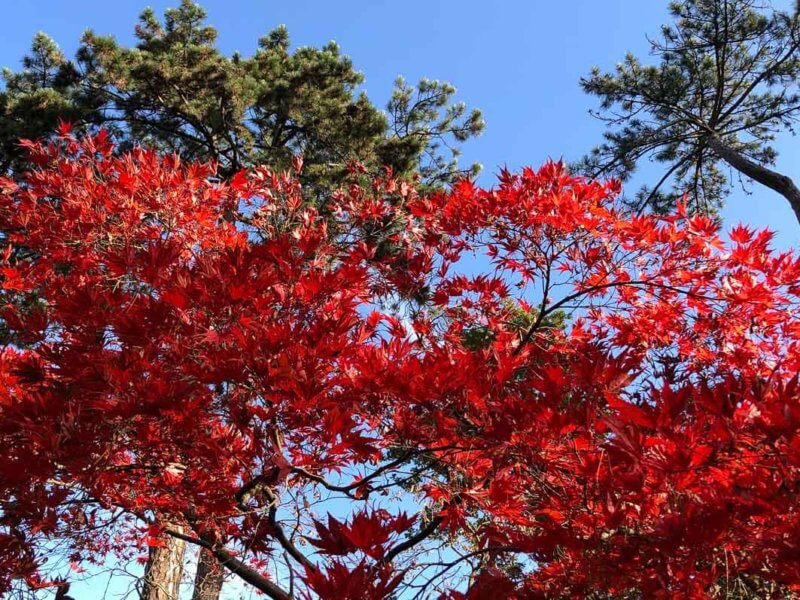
209, 577
162, 574
763, 175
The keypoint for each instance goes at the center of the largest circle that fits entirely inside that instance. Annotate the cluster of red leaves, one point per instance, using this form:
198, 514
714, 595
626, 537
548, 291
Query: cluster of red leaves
368, 533
186, 352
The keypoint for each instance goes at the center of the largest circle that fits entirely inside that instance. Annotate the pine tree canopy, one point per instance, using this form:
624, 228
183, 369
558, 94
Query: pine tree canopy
175, 91
722, 84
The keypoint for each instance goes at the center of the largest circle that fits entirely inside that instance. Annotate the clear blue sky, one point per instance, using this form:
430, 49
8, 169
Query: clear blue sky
518, 60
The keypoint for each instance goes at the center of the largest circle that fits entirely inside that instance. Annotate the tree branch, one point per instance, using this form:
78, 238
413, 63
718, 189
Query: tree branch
423, 533
778, 182
235, 566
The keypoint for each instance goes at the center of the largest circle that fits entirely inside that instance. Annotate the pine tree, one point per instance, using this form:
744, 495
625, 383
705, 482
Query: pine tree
176, 91
723, 85
35, 98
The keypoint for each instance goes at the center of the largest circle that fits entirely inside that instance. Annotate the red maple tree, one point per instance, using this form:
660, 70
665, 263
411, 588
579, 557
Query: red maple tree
378, 398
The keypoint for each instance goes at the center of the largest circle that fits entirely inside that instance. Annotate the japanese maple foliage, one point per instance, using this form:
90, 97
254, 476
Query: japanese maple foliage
378, 398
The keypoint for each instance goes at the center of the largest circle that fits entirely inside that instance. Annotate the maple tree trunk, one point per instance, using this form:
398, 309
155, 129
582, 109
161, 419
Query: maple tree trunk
162, 574
208, 581
772, 179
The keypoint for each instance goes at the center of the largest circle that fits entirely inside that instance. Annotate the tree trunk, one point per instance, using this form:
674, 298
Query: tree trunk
208, 581
162, 574
772, 179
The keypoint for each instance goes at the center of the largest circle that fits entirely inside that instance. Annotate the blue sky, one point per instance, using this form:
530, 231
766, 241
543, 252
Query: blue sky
517, 60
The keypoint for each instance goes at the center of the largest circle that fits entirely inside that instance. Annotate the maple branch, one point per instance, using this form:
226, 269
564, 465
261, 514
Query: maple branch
407, 454
415, 539
325, 483
235, 566
597, 288
542, 312
360, 482
280, 535
447, 566
258, 485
